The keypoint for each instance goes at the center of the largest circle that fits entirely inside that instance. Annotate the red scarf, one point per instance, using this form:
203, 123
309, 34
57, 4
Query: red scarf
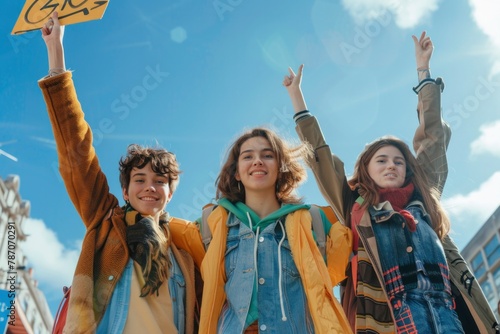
399, 198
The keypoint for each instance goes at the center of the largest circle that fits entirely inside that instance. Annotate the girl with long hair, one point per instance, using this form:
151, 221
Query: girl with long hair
406, 275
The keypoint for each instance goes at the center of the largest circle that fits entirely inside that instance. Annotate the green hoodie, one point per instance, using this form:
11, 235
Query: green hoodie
240, 209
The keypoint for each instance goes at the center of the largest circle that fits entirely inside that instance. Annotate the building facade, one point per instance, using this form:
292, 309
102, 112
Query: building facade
23, 307
483, 255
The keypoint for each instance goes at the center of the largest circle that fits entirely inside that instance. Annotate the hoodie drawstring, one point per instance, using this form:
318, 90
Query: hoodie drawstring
249, 220
255, 249
280, 279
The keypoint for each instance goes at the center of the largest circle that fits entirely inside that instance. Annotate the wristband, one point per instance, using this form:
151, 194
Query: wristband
55, 71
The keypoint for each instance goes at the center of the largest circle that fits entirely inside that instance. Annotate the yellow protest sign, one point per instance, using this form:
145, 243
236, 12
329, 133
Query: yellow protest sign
36, 12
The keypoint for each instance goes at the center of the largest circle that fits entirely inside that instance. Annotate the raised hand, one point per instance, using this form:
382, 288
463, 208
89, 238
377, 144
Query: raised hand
52, 29
423, 50
52, 34
292, 83
293, 80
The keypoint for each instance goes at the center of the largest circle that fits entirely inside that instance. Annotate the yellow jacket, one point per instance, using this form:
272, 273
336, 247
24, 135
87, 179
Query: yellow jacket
318, 280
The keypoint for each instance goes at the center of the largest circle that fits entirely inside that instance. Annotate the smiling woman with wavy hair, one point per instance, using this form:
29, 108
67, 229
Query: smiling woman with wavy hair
263, 267
291, 171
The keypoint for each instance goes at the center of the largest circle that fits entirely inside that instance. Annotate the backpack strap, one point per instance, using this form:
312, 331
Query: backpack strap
62, 312
317, 227
206, 234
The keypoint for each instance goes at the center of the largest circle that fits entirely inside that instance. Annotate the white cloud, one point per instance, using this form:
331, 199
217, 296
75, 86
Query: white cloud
53, 262
407, 13
488, 140
485, 14
475, 207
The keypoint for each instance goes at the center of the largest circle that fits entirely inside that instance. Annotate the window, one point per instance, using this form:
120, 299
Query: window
489, 294
478, 265
496, 278
492, 250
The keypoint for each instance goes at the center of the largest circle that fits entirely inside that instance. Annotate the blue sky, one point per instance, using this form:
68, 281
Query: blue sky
191, 75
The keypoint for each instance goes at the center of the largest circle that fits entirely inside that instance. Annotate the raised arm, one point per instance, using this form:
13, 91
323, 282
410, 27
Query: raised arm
78, 164
328, 169
52, 34
433, 134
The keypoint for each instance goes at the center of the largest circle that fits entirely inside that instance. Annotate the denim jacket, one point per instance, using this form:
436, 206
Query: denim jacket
404, 253
471, 305
280, 294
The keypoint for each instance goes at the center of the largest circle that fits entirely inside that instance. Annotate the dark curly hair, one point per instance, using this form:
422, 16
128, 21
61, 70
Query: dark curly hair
162, 162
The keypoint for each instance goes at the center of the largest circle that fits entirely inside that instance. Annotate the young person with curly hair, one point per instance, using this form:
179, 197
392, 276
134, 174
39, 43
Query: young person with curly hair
136, 271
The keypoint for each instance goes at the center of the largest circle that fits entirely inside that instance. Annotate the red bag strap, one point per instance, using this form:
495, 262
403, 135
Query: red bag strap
62, 311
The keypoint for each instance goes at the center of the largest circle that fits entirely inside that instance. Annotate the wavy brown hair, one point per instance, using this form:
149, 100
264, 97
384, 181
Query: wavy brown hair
290, 175
363, 184
162, 162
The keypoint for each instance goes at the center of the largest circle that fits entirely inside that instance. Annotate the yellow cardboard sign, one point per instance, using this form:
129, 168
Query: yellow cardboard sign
35, 13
